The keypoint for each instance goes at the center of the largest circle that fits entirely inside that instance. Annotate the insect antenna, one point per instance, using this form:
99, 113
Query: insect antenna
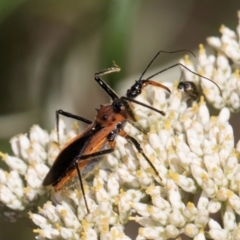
157, 56
137, 87
180, 64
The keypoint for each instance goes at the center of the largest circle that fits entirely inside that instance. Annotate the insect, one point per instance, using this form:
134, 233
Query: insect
82, 154
190, 89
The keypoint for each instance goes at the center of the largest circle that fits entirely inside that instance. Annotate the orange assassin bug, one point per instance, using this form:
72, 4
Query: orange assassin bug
82, 154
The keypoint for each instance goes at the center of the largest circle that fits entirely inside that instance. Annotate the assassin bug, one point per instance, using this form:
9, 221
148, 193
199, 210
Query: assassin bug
81, 155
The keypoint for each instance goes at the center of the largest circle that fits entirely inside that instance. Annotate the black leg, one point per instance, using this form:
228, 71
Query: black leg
95, 154
134, 124
81, 185
143, 104
140, 150
70, 115
105, 87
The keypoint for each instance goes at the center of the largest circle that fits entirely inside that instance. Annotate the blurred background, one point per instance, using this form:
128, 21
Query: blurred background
50, 50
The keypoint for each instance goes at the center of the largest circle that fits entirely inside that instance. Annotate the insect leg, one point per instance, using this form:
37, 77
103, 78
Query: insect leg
70, 115
81, 184
137, 127
96, 154
87, 156
105, 87
143, 104
140, 150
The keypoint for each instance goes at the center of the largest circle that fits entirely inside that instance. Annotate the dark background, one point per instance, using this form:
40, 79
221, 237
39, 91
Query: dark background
50, 50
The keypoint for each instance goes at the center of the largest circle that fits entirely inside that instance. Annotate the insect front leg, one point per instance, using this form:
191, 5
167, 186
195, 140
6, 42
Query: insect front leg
105, 87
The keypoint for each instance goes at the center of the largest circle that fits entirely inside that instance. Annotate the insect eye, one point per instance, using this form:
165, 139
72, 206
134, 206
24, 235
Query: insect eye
104, 117
181, 86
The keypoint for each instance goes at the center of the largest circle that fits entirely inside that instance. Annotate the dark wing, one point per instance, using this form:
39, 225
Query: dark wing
66, 158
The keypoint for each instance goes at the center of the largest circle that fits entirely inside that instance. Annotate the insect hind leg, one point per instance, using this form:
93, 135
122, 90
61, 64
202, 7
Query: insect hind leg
89, 167
81, 185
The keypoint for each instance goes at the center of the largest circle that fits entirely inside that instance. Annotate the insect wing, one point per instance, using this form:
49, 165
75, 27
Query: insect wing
66, 158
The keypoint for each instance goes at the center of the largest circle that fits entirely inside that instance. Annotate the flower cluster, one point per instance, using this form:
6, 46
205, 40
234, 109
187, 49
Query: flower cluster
21, 186
196, 190
222, 68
